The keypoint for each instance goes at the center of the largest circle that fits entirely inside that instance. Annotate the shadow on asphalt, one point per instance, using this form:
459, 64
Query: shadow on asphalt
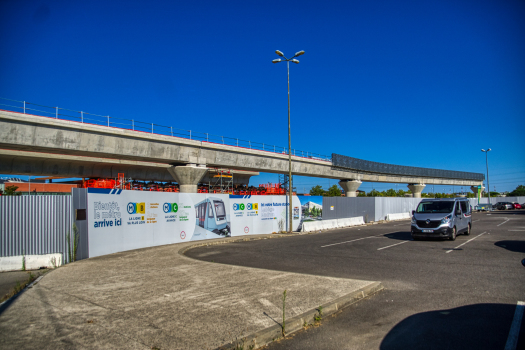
403, 236
477, 326
513, 246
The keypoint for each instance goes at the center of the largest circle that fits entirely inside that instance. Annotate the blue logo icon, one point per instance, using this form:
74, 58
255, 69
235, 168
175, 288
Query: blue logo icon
235, 206
132, 208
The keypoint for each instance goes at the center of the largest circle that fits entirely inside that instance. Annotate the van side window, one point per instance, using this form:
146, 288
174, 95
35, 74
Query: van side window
464, 206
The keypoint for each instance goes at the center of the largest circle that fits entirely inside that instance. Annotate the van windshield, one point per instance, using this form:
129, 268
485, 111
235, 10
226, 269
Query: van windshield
435, 207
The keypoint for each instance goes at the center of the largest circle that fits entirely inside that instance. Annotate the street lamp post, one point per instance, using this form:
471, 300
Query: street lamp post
277, 60
487, 162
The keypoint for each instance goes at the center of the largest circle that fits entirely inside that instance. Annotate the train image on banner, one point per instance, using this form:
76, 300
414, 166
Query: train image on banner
211, 215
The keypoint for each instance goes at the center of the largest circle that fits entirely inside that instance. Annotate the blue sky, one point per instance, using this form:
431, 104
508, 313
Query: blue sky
418, 83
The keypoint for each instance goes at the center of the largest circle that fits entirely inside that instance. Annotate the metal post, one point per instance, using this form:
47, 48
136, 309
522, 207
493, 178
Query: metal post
82, 116
250, 143
222, 139
133, 124
190, 134
290, 187
207, 140
488, 182
263, 146
171, 127
152, 128
24, 107
56, 114
237, 142
274, 149
108, 120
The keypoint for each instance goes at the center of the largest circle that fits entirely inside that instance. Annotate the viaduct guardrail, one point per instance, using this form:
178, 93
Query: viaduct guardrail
135, 125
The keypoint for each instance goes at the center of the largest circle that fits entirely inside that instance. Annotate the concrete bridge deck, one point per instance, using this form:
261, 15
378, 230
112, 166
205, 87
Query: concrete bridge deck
35, 145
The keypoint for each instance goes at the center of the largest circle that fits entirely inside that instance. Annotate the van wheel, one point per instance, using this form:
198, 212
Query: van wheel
453, 235
468, 230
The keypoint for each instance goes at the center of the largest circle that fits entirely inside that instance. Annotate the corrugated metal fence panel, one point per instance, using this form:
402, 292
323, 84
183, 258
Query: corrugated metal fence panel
394, 205
348, 208
495, 200
34, 225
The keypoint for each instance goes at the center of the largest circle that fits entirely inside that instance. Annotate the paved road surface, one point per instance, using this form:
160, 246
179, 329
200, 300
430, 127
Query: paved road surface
459, 294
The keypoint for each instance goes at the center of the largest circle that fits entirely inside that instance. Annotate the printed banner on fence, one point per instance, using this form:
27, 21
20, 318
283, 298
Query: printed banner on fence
120, 220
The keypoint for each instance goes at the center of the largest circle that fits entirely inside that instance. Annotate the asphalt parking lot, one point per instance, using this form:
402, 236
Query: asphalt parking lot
460, 294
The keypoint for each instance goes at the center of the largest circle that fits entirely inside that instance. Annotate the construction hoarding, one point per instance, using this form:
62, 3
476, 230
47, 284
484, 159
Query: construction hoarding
119, 220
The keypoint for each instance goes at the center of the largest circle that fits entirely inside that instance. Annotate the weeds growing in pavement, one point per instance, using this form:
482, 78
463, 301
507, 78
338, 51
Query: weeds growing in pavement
53, 262
284, 309
24, 261
72, 250
280, 223
319, 316
18, 288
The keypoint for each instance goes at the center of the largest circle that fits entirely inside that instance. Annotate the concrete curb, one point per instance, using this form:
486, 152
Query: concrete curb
294, 324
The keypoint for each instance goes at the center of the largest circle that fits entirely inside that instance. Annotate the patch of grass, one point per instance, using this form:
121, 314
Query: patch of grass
319, 316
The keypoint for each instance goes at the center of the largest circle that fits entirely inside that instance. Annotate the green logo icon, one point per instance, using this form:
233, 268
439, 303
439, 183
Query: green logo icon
241, 206
174, 207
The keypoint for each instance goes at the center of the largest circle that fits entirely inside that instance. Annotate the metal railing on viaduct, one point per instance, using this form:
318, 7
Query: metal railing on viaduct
135, 125
335, 161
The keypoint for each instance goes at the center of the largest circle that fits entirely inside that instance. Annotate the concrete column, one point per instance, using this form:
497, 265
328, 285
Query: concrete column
350, 186
475, 190
416, 189
188, 177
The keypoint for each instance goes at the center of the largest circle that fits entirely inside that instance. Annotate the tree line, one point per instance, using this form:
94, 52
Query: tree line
334, 191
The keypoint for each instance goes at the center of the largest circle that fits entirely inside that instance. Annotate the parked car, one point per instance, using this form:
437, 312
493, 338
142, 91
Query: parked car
516, 205
483, 207
504, 206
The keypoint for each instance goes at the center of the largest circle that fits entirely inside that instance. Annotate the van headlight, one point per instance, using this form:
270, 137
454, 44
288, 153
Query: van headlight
413, 220
446, 219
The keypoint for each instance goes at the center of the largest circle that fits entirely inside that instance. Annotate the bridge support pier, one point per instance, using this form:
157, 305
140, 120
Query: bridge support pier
188, 177
350, 187
475, 190
416, 189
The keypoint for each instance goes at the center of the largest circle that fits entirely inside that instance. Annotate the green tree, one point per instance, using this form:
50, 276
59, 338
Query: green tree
519, 191
390, 193
374, 193
334, 191
401, 193
492, 194
11, 191
317, 191
361, 194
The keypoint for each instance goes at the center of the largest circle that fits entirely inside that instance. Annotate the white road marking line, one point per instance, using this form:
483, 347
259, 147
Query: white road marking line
392, 245
476, 220
504, 222
512, 339
448, 251
516, 230
354, 240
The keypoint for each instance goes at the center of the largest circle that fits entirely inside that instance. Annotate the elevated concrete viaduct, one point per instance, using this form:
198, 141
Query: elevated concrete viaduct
46, 146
